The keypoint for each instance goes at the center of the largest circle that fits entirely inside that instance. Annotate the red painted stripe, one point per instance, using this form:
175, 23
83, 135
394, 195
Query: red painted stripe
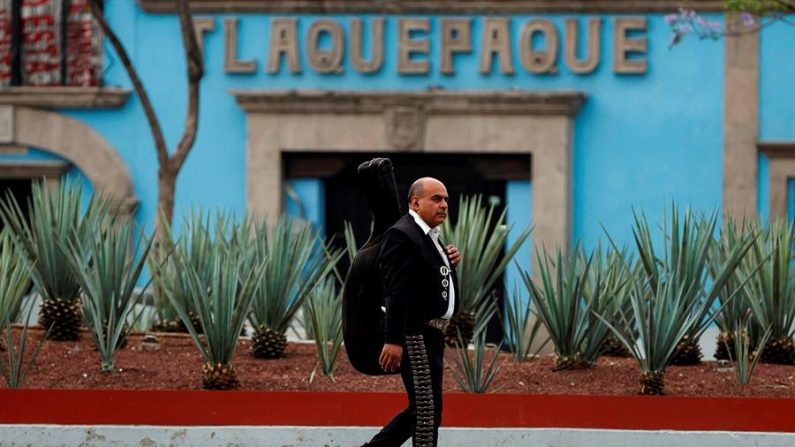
192, 408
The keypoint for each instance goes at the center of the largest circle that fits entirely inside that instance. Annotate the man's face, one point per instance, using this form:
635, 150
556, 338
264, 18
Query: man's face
432, 206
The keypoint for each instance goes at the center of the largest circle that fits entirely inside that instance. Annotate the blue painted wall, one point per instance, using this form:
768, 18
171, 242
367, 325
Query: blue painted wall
639, 141
791, 198
776, 98
305, 199
519, 215
776, 86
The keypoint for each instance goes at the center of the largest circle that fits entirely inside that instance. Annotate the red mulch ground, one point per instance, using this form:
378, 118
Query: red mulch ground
177, 365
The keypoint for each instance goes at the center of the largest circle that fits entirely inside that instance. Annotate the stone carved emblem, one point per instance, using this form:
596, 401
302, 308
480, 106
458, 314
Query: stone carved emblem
405, 127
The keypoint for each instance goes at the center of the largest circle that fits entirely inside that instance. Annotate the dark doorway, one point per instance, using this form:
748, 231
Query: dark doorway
463, 174
20, 189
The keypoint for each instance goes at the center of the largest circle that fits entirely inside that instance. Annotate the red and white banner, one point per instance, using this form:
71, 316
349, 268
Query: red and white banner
41, 56
5, 42
83, 46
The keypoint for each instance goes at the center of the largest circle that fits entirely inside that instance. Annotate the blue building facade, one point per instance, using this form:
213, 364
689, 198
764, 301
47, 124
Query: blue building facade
592, 112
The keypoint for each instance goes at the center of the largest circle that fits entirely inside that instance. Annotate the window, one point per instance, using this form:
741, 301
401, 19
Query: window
48, 43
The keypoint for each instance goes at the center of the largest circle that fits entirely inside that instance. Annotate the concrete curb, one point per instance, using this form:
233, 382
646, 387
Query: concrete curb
285, 436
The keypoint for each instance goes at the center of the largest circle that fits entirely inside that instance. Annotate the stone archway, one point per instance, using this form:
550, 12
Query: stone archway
75, 142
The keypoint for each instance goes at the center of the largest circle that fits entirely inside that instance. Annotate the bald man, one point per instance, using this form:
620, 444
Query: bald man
420, 287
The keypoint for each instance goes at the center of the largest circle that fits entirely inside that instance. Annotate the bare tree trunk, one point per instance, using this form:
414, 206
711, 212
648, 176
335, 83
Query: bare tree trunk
166, 186
168, 165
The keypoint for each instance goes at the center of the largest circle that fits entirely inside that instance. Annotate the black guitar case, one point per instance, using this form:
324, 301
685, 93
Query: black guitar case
363, 291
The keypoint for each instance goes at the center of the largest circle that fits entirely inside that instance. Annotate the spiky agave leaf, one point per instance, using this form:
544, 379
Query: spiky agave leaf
14, 277
351, 249
610, 277
163, 270
771, 289
107, 265
324, 310
221, 295
472, 373
745, 352
13, 368
735, 309
520, 329
570, 318
201, 235
481, 237
298, 262
672, 298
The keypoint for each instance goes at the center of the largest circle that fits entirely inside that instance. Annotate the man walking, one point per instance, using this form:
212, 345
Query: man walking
420, 287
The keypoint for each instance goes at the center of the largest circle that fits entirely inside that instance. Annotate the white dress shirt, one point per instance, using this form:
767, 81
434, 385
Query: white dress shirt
434, 234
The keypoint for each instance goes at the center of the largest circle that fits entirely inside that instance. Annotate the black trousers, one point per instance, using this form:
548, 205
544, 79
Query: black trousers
421, 369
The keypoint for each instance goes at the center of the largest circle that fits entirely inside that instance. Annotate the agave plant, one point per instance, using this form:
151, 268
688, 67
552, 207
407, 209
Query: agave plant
737, 308
198, 234
221, 295
14, 277
107, 265
745, 352
324, 311
163, 270
57, 216
673, 296
610, 278
13, 367
350, 249
561, 304
521, 329
298, 262
481, 237
472, 373
771, 290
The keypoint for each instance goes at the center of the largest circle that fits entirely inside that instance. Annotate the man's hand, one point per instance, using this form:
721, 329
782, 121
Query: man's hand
453, 254
390, 357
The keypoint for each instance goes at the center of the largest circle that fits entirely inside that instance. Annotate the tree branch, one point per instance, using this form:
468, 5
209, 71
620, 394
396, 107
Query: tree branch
195, 67
787, 5
149, 111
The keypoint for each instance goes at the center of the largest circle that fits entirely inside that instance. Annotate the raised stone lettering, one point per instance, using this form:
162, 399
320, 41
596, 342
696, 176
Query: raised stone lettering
456, 38
325, 61
593, 46
376, 43
408, 46
284, 40
622, 64
202, 26
536, 60
231, 63
496, 41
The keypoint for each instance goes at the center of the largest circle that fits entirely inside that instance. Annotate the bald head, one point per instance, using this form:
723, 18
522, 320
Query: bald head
428, 198
417, 188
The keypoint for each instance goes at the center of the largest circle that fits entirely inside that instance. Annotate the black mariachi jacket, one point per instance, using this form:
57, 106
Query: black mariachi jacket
416, 280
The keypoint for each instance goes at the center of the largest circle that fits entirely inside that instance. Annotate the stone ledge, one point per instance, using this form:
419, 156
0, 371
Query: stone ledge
28, 169
441, 102
777, 149
433, 6
65, 97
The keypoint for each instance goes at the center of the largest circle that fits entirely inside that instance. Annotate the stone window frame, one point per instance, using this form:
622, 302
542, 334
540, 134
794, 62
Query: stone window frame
781, 162
537, 124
